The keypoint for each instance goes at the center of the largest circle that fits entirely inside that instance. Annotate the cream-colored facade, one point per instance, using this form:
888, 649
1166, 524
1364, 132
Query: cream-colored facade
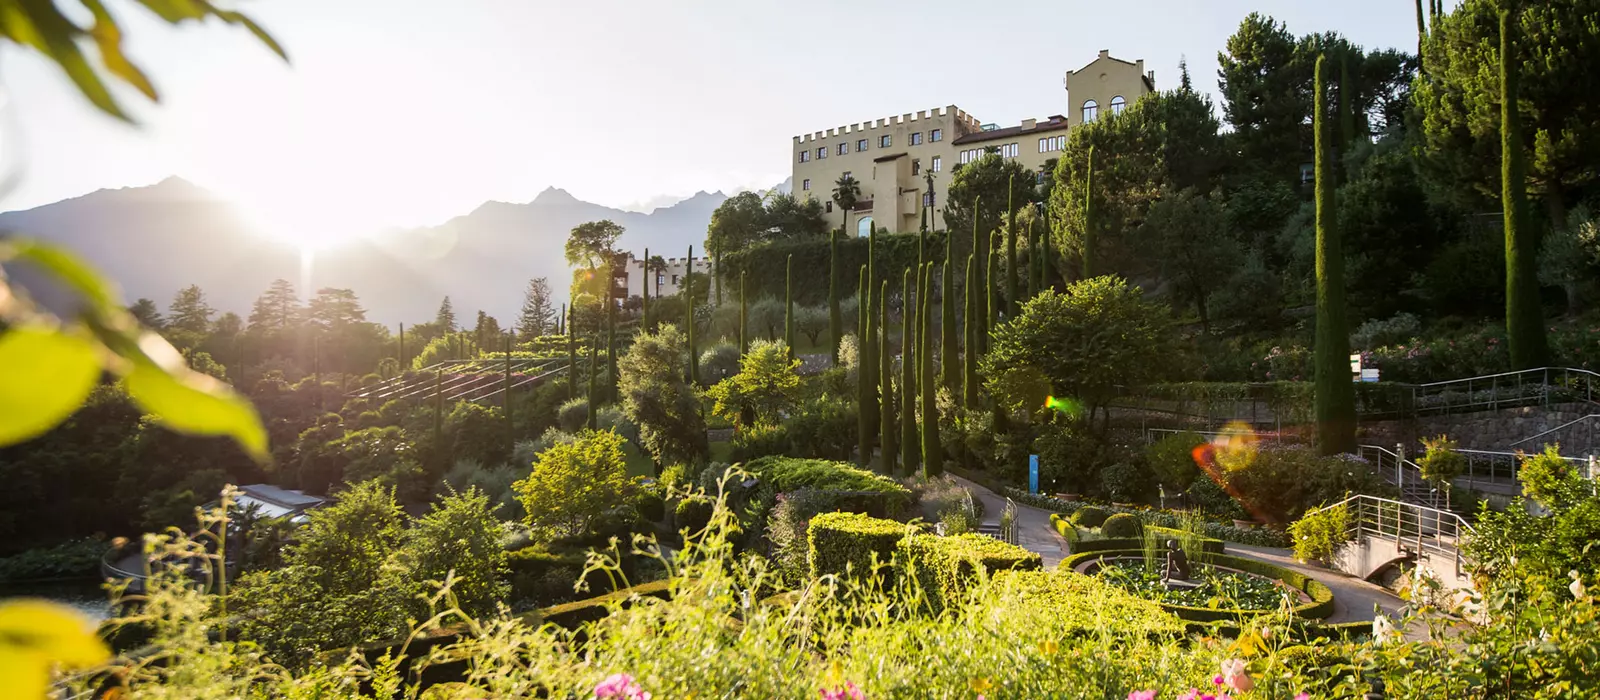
670, 280
891, 159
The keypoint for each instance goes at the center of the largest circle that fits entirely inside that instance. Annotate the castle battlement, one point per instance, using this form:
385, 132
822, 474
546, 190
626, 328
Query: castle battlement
893, 121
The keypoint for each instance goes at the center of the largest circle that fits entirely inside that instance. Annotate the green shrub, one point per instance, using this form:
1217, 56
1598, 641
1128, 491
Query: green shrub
68, 559
1089, 516
541, 577
573, 415
1125, 482
1320, 532
1079, 604
785, 474
651, 505
841, 543
1124, 525
759, 440
947, 566
693, 513
1172, 459
1260, 536
1206, 544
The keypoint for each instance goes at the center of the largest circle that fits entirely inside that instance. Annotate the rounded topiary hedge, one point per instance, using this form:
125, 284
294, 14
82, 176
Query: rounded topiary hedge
1089, 516
1320, 606
1122, 525
946, 566
838, 543
693, 513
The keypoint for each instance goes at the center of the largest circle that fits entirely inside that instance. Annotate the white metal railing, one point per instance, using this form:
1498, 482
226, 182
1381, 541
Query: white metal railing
1415, 528
1154, 434
1507, 389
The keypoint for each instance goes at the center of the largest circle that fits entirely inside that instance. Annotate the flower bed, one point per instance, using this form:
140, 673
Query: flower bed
1317, 602
1260, 537
1078, 545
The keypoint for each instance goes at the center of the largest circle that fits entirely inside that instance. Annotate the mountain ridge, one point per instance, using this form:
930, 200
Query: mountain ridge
153, 240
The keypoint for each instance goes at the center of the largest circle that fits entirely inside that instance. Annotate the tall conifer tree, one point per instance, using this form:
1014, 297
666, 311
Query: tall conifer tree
1335, 392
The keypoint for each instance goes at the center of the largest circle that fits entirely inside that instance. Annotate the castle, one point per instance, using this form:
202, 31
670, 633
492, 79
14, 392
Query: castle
891, 159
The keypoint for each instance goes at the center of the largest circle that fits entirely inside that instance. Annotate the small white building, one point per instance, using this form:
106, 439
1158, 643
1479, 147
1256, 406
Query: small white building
274, 502
664, 282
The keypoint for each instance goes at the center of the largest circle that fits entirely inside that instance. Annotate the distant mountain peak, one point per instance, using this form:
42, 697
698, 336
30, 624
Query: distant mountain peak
555, 195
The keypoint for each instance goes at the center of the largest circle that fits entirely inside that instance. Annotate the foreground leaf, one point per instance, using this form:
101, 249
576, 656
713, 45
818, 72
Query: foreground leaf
45, 375
37, 636
190, 402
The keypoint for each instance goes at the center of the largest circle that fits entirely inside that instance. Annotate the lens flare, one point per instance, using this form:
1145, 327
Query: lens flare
1233, 448
1066, 406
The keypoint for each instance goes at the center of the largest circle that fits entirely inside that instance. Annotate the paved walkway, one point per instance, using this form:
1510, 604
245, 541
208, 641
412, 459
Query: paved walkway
1354, 600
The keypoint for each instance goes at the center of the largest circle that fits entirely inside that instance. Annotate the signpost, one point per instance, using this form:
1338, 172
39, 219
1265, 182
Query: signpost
1033, 474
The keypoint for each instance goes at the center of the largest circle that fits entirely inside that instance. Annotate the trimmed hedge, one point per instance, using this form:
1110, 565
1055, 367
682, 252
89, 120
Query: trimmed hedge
838, 543
1259, 537
869, 492
1321, 605
1090, 516
1073, 604
947, 566
1122, 525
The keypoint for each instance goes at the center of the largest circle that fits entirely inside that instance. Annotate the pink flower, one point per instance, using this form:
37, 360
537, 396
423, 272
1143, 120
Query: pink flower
1236, 675
1142, 695
620, 686
1303, 696
848, 692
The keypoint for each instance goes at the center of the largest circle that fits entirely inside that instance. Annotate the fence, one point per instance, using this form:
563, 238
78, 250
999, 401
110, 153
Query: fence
1529, 387
1417, 528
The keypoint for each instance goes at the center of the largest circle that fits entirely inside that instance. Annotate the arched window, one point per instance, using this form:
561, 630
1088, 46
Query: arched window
1091, 109
1118, 104
864, 227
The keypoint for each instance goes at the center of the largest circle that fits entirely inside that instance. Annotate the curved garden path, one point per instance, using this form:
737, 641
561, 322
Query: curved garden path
1354, 600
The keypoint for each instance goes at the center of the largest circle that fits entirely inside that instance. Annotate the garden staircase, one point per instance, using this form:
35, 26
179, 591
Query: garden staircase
475, 381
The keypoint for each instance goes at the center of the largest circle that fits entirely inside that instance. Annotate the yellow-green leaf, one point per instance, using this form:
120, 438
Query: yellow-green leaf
108, 37
67, 267
45, 375
191, 402
37, 636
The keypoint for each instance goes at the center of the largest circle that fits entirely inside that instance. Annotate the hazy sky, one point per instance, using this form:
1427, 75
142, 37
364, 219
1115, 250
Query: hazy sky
399, 112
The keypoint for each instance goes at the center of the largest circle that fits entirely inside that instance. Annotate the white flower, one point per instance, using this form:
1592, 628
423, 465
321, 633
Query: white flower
1578, 591
1382, 630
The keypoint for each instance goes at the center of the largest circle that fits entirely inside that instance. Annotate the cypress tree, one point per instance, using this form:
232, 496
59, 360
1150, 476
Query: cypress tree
611, 352
572, 359
869, 338
990, 302
744, 319
1011, 248
835, 319
1089, 221
909, 448
932, 459
1047, 277
594, 369
949, 350
1347, 114
716, 274
1033, 259
1524, 319
788, 304
886, 424
1422, 36
1335, 393
644, 318
693, 374
864, 404
970, 357
977, 321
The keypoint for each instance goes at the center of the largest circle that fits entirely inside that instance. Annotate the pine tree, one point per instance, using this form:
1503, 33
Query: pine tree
970, 357
1089, 219
446, 318
886, 422
190, 312
744, 317
276, 310
910, 451
932, 456
1335, 393
538, 310
835, 318
688, 319
1524, 318
949, 350
865, 407
788, 304
1011, 249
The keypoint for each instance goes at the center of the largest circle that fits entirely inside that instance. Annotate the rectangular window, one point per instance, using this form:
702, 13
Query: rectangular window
660, 278
1044, 145
938, 164
846, 173
884, 141
828, 206
936, 135
822, 153
844, 148
674, 279
861, 145
805, 184
805, 156
1009, 150
927, 199
916, 138
916, 166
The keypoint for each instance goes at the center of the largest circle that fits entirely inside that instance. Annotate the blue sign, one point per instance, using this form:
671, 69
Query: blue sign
1033, 473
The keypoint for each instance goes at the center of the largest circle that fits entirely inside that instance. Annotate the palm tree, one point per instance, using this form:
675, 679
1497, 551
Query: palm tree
846, 192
